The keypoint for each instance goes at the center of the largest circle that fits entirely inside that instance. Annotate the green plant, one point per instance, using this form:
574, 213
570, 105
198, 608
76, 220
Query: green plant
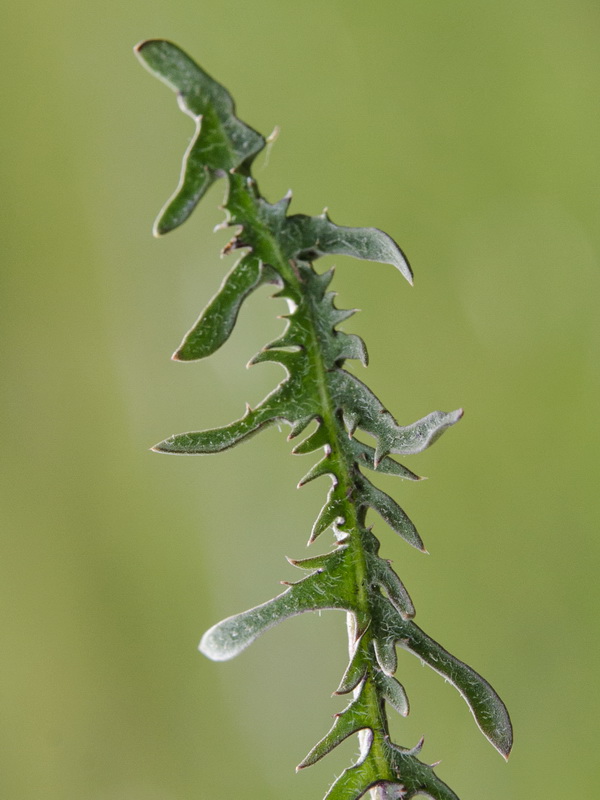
279, 249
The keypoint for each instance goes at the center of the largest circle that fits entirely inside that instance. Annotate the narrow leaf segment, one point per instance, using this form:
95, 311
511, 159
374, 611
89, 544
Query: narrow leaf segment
280, 249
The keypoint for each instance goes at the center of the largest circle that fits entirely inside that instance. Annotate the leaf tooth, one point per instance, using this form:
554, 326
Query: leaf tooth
356, 669
323, 467
336, 315
396, 591
316, 562
365, 455
299, 425
287, 358
319, 438
321, 282
331, 512
393, 692
351, 420
349, 345
351, 720
287, 339
385, 652
414, 751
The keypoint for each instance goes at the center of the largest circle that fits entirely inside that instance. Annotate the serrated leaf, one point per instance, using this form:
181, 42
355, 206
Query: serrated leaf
221, 143
382, 574
218, 319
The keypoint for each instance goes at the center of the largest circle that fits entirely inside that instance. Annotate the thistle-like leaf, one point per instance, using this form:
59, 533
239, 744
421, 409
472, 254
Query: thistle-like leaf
312, 350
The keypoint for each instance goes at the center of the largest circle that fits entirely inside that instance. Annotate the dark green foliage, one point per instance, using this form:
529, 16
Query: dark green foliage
279, 249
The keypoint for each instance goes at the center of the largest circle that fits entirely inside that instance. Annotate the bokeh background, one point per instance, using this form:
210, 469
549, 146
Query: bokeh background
469, 132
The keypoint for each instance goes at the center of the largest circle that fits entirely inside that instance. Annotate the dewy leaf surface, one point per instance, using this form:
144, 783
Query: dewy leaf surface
279, 249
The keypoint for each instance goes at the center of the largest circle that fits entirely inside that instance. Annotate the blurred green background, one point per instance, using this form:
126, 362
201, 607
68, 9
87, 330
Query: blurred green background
469, 132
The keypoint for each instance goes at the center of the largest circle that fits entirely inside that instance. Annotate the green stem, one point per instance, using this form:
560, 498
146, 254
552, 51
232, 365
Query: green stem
242, 205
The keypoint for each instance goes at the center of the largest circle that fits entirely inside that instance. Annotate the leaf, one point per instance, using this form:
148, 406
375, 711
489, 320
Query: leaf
218, 319
281, 405
221, 143
390, 511
355, 671
488, 709
382, 574
416, 777
359, 403
385, 652
308, 238
230, 637
352, 719
393, 692
364, 455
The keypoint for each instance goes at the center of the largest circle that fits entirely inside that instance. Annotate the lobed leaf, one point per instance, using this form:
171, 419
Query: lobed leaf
487, 708
389, 510
382, 574
218, 319
308, 238
362, 408
221, 143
